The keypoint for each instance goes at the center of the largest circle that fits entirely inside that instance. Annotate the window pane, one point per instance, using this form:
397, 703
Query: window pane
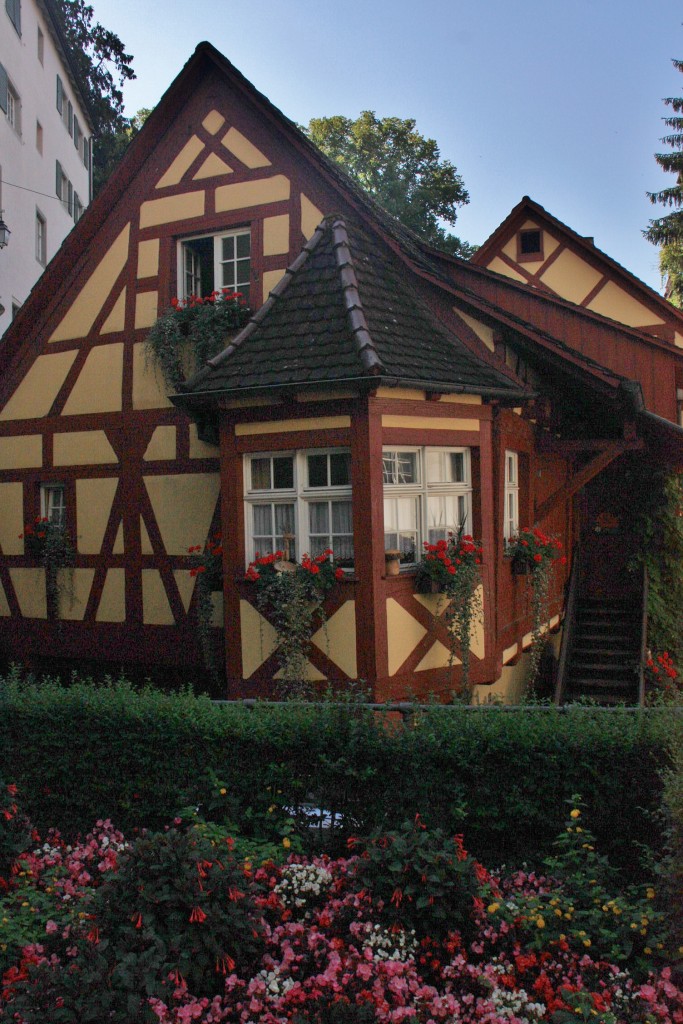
243, 271
228, 275
317, 471
285, 534
400, 467
319, 519
228, 247
283, 472
342, 517
260, 474
457, 460
263, 523
340, 469
243, 245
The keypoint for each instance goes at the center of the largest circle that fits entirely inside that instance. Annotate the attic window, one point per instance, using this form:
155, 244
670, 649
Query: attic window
530, 245
213, 262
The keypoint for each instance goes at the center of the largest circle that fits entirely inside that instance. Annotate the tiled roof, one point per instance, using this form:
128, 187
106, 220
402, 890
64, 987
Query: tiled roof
346, 310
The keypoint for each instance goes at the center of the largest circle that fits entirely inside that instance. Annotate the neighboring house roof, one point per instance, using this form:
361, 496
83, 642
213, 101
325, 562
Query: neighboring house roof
54, 23
529, 208
345, 312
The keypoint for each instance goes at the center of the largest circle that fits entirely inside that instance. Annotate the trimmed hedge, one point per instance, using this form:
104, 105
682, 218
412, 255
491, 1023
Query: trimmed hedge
83, 752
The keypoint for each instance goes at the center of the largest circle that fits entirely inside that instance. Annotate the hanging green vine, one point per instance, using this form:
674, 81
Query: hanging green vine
49, 543
536, 552
191, 331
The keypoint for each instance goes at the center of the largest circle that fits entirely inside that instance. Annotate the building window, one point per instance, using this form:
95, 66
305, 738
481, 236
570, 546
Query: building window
427, 495
64, 189
530, 245
13, 108
39, 137
53, 503
511, 521
213, 262
16, 306
299, 502
13, 8
60, 95
78, 208
41, 45
41, 238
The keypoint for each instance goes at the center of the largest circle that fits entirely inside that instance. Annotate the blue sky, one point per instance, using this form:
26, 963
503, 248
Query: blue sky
561, 101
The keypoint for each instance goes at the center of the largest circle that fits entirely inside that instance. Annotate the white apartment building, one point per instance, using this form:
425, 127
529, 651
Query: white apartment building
45, 146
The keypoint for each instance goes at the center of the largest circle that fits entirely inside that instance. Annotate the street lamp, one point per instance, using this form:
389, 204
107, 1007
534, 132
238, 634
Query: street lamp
4, 232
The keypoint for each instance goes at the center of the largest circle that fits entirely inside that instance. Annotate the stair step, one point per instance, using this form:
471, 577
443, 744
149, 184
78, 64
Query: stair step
600, 684
592, 666
602, 652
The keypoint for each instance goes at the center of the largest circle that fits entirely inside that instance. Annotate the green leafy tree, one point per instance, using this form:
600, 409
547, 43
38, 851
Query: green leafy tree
104, 66
401, 169
667, 230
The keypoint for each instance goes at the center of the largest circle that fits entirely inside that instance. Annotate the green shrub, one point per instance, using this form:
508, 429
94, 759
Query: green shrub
501, 777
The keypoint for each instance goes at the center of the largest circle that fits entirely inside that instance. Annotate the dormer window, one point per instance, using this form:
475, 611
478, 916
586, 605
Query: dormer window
530, 245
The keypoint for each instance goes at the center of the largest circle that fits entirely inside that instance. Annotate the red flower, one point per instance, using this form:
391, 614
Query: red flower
197, 916
137, 919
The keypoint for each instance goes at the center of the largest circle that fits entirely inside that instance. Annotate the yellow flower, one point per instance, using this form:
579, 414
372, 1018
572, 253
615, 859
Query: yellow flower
286, 843
650, 893
576, 813
644, 920
222, 791
587, 942
647, 950
493, 907
579, 829
540, 923
558, 912
25, 903
271, 808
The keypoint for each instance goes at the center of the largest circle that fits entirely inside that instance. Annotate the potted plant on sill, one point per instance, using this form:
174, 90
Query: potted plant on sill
290, 596
48, 542
193, 330
534, 554
207, 568
451, 567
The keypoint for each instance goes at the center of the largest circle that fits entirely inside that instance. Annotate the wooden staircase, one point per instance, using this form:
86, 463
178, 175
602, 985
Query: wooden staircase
603, 661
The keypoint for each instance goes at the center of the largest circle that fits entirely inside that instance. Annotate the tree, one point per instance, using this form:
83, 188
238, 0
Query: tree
667, 231
104, 66
399, 168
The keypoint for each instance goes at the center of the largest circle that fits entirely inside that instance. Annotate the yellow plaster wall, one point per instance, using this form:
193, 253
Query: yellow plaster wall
185, 584
678, 340
270, 279
75, 593
276, 235
161, 444
338, 640
183, 505
289, 426
213, 167
482, 331
500, 267
310, 673
39, 387
164, 211
146, 305
116, 321
29, 587
310, 216
11, 518
94, 499
252, 193
200, 449
156, 609
22, 452
99, 384
402, 394
82, 448
425, 423
148, 258
240, 146
112, 606
571, 277
213, 122
461, 399
614, 302
404, 633
4, 604
437, 604
149, 389
85, 308
438, 656
259, 639
182, 163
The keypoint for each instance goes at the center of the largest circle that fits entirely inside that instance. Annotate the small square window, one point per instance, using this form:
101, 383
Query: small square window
530, 245
53, 503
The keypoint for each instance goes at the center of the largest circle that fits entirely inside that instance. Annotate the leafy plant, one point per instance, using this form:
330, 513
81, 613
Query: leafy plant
15, 830
536, 551
207, 568
453, 565
192, 331
49, 541
291, 597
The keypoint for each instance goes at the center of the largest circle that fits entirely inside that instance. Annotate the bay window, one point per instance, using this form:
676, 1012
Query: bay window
299, 502
427, 495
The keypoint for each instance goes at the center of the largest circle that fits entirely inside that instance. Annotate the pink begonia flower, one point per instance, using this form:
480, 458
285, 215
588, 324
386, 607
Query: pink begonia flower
51, 927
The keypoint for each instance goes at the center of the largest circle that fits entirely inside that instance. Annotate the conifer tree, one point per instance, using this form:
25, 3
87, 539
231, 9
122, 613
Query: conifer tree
667, 230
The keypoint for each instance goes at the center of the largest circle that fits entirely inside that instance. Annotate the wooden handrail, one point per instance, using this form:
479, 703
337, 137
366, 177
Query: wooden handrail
643, 640
569, 620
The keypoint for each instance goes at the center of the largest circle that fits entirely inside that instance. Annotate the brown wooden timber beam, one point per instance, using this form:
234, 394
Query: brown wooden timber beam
585, 474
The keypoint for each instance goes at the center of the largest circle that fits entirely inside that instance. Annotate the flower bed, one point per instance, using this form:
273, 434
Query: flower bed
176, 926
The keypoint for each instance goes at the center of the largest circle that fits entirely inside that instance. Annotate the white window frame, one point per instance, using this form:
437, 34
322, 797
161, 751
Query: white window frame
187, 256
301, 495
13, 108
41, 238
511, 496
424, 493
53, 503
